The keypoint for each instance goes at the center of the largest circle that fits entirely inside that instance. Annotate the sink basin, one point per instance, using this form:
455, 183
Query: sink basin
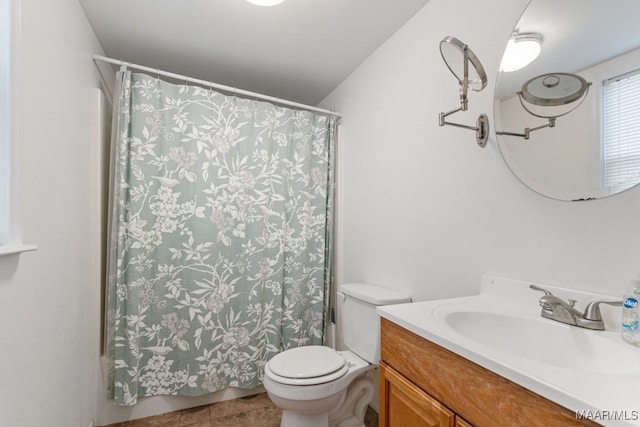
543, 341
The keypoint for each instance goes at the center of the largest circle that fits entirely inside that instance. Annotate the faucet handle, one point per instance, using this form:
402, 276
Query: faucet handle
538, 288
592, 311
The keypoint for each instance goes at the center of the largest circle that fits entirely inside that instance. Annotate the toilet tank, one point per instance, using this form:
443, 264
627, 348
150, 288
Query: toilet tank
360, 323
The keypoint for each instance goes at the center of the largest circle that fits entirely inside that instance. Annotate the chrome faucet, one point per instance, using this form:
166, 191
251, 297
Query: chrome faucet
556, 309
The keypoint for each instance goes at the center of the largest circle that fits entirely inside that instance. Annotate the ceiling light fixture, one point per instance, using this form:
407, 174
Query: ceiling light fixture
521, 50
265, 2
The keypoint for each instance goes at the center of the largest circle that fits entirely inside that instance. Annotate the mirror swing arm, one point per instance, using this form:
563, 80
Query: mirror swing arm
482, 123
527, 131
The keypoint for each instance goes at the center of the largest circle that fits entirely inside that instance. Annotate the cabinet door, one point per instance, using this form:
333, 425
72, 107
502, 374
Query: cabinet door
403, 404
460, 422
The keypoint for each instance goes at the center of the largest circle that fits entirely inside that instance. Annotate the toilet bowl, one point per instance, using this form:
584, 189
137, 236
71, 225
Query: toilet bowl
309, 399
317, 386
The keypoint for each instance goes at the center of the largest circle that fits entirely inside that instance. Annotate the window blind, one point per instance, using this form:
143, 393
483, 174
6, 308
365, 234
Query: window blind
621, 132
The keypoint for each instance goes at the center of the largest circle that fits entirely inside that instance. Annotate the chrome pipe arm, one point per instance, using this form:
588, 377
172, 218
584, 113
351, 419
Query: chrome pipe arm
527, 131
442, 116
458, 125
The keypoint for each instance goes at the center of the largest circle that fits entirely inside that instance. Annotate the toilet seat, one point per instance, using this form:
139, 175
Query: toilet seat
306, 366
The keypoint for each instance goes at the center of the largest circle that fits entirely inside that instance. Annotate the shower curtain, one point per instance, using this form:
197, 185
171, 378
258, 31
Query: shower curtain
220, 237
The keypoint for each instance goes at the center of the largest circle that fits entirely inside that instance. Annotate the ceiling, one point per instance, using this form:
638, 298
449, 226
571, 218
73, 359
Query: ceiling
299, 50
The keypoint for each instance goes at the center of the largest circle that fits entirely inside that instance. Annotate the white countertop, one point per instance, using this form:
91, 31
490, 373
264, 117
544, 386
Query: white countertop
568, 365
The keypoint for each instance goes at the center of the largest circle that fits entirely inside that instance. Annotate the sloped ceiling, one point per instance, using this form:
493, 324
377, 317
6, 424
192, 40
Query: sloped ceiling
299, 50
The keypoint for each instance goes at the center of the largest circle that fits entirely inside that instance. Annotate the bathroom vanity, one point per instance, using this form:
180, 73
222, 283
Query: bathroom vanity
491, 360
423, 384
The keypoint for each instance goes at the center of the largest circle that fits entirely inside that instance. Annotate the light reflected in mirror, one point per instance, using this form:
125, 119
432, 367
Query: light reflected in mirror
594, 151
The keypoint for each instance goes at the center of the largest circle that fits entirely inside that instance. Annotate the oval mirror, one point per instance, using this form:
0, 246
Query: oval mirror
592, 148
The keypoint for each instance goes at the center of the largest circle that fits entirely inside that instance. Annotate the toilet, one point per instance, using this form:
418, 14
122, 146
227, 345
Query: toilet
317, 386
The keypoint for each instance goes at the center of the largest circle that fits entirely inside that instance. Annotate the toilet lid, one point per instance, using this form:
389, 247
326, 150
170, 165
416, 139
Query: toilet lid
306, 362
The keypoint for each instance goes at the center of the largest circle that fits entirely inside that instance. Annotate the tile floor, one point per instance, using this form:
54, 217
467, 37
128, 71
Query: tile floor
252, 411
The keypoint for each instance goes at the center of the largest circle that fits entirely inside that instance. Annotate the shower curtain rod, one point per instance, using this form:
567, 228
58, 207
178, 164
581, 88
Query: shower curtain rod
216, 85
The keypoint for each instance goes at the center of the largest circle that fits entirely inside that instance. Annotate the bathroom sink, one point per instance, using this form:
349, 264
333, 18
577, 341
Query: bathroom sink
543, 341
501, 330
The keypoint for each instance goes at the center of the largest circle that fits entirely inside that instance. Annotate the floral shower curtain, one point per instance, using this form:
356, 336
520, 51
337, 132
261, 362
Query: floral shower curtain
220, 242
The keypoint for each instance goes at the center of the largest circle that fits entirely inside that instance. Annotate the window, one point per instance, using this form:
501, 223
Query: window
10, 239
4, 122
621, 132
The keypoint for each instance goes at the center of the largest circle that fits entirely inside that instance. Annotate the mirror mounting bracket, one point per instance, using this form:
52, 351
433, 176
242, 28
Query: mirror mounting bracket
481, 128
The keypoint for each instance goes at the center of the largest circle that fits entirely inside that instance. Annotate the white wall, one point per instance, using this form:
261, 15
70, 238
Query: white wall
425, 210
50, 299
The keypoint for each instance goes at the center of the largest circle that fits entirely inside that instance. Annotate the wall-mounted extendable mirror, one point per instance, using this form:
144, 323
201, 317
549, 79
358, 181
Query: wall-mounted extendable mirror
468, 70
568, 121
550, 93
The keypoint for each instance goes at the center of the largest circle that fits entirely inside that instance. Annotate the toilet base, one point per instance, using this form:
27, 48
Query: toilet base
308, 413
345, 409
308, 420
354, 407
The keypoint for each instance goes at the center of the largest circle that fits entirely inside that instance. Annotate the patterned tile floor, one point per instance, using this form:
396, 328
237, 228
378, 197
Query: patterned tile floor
252, 411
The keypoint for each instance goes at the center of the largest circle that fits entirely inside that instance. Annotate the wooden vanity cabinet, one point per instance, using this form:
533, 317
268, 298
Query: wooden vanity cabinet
423, 384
